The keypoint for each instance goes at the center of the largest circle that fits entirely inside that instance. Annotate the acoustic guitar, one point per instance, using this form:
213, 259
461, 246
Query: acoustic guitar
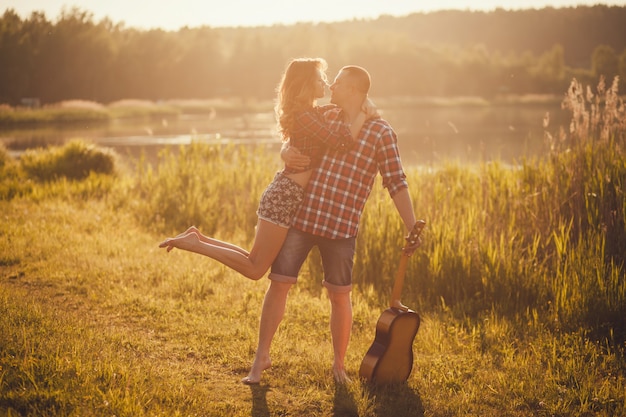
390, 358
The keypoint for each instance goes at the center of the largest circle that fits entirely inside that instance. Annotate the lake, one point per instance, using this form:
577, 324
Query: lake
426, 134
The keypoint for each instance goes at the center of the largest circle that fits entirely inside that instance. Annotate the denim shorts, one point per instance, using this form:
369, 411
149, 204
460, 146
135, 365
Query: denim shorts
280, 201
337, 259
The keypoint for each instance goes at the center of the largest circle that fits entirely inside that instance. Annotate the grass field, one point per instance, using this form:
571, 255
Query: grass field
519, 283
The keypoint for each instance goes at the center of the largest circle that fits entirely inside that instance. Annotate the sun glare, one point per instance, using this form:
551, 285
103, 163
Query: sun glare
172, 15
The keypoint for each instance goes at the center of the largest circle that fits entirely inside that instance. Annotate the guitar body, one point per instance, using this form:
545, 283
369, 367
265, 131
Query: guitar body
390, 358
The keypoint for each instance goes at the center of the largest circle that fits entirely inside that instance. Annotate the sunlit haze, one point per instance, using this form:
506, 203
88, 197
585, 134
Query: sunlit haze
172, 15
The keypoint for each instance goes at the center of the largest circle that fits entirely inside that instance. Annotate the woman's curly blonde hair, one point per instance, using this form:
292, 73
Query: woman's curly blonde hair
296, 91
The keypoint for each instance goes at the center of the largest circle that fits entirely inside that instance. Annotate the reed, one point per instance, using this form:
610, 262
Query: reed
215, 188
497, 238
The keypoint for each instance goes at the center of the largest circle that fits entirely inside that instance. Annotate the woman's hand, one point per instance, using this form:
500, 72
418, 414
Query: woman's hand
370, 109
294, 159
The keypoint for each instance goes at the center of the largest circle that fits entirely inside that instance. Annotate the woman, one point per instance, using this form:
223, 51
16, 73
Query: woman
301, 123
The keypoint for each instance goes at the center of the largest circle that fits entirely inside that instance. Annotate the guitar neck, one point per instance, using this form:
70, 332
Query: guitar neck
399, 281
398, 284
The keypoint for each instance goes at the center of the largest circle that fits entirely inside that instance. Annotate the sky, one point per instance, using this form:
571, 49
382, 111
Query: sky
174, 14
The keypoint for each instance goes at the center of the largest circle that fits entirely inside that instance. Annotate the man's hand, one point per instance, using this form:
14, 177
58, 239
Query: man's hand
294, 159
413, 239
410, 247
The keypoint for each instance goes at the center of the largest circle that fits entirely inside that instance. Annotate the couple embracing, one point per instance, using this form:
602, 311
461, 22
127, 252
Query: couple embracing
333, 154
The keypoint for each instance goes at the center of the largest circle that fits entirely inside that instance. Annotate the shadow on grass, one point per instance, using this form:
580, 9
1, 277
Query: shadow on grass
398, 400
259, 400
344, 404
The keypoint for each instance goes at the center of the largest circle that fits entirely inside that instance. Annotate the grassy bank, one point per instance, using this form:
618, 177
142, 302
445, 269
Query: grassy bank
80, 111
83, 111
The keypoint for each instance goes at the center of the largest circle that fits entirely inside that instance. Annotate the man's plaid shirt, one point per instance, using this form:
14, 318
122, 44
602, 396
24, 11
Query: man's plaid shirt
338, 189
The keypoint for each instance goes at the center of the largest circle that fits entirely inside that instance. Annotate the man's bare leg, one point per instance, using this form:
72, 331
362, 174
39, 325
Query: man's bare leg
340, 327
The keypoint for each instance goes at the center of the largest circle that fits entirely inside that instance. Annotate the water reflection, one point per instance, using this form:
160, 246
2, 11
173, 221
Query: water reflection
473, 134
425, 134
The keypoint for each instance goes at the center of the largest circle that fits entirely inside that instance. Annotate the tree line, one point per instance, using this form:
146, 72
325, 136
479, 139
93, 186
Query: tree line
447, 53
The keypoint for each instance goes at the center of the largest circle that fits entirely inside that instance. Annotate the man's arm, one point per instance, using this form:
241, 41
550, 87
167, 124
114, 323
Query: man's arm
402, 201
394, 180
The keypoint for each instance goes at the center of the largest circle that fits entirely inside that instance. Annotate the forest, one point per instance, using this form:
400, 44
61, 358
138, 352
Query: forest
446, 53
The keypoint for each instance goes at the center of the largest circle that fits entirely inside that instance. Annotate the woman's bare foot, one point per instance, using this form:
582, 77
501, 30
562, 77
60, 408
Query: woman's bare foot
185, 242
258, 366
170, 244
191, 229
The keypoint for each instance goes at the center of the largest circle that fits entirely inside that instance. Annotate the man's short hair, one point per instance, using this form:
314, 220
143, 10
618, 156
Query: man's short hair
360, 77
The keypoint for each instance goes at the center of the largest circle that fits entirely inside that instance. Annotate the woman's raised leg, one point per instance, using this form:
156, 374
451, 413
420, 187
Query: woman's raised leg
254, 264
205, 239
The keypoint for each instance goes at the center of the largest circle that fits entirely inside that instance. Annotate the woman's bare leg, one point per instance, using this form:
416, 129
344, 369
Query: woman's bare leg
267, 243
207, 239
271, 316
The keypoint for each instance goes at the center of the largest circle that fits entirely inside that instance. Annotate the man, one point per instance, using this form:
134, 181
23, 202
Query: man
329, 219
